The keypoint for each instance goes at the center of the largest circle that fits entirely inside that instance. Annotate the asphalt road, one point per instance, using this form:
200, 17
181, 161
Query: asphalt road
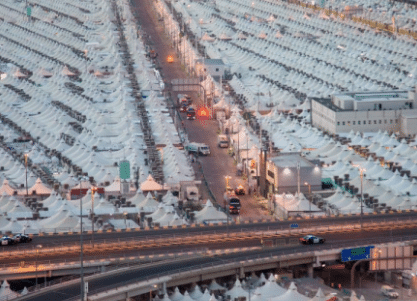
331, 238
60, 240
333, 241
219, 164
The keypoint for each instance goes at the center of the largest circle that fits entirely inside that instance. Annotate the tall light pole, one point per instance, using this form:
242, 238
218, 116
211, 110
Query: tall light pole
298, 178
93, 190
81, 240
26, 171
36, 264
309, 195
361, 169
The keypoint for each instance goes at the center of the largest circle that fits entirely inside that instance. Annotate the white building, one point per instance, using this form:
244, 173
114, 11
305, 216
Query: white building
214, 67
393, 111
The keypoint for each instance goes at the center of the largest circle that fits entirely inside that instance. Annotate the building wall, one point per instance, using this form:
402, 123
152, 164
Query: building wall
215, 70
323, 117
392, 104
286, 179
362, 121
409, 125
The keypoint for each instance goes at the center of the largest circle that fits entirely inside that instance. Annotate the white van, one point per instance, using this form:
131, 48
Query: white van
388, 291
222, 141
198, 148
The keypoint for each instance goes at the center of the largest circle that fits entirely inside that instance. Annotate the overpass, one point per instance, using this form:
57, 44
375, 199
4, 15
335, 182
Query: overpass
52, 239
125, 283
21, 264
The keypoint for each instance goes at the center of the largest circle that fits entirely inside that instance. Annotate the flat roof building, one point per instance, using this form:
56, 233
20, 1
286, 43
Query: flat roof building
282, 174
365, 111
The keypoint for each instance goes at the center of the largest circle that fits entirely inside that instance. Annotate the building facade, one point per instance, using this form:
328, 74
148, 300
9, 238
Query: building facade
365, 112
282, 174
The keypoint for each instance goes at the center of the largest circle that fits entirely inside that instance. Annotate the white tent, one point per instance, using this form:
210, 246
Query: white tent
176, 296
214, 286
196, 294
291, 295
271, 289
237, 291
209, 214
6, 293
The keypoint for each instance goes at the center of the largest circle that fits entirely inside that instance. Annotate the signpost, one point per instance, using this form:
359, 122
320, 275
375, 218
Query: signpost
124, 170
356, 253
293, 226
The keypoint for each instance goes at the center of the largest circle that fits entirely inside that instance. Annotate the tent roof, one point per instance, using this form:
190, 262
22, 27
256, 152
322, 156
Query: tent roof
150, 185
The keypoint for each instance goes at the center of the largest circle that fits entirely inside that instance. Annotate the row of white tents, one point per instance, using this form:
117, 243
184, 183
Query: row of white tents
51, 49
258, 289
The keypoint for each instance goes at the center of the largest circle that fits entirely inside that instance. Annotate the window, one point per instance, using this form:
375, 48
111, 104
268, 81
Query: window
364, 122
385, 121
348, 123
338, 123
396, 120
343, 123
380, 121
380, 106
374, 121
217, 69
354, 123
390, 122
359, 122
370, 121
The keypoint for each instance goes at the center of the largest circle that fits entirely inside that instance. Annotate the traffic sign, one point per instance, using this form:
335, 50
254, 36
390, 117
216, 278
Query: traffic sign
292, 226
124, 170
356, 253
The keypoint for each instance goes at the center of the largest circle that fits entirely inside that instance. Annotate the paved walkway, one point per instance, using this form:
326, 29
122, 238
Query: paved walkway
219, 164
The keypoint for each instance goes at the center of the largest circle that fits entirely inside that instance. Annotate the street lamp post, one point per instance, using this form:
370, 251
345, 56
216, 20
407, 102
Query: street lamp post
26, 171
125, 218
36, 265
309, 195
81, 240
93, 190
361, 169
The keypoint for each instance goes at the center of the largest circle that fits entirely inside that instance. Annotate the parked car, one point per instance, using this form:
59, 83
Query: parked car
183, 108
7, 241
22, 238
222, 141
190, 113
198, 148
240, 190
388, 291
311, 239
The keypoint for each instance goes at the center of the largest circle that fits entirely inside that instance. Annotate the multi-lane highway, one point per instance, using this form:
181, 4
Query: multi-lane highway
202, 241
334, 240
59, 240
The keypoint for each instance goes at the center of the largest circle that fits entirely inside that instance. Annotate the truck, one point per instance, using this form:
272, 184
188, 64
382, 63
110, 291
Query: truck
198, 148
222, 141
234, 205
184, 98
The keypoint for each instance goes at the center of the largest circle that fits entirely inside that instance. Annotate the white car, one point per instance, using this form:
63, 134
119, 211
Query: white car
388, 291
311, 239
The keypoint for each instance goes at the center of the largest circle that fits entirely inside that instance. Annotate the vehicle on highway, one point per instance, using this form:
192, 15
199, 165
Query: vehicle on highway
190, 113
198, 148
7, 241
22, 238
234, 205
183, 108
222, 141
388, 291
240, 190
311, 239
